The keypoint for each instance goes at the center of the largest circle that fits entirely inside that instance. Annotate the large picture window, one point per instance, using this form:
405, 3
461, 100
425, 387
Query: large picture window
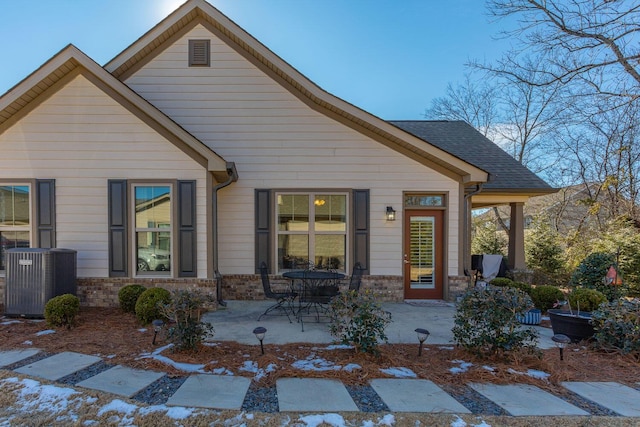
311, 227
153, 209
15, 220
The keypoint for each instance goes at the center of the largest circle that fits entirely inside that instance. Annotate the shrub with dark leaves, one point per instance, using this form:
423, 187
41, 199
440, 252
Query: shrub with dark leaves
486, 321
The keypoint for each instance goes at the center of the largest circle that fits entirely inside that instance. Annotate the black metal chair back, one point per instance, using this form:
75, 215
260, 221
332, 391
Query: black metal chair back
356, 277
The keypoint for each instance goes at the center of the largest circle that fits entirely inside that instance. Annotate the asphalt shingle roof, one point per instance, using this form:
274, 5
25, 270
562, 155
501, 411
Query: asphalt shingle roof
465, 142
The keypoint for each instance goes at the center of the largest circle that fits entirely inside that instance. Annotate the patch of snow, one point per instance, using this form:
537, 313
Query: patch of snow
249, 366
36, 397
142, 330
315, 420
489, 368
27, 342
185, 367
9, 322
222, 371
458, 422
446, 347
173, 412
339, 347
533, 373
399, 372
482, 424
464, 366
387, 420
47, 332
315, 364
351, 366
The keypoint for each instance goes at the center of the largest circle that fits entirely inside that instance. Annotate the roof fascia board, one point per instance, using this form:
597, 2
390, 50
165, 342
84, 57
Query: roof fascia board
199, 11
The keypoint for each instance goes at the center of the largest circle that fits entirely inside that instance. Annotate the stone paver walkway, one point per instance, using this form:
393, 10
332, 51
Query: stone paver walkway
326, 395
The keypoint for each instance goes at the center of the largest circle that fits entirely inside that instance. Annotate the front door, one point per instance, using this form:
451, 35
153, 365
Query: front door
423, 254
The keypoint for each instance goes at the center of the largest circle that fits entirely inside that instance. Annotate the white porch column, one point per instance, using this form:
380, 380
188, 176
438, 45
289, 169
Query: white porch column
516, 237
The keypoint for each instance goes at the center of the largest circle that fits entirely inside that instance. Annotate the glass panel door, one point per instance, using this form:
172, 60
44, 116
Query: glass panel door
423, 254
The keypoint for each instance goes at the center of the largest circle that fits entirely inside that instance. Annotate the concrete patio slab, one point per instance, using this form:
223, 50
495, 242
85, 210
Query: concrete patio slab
619, 398
525, 400
13, 356
211, 391
407, 395
59, 365
313, 394
121, 380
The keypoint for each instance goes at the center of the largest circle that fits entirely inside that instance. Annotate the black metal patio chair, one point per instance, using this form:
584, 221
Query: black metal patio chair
284, 299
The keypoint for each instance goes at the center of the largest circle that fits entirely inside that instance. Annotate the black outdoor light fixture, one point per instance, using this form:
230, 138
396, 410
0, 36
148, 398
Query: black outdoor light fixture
391, 214
561, 341
157, 327
260, 331
423, 334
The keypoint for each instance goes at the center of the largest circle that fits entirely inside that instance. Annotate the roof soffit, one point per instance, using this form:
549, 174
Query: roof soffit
195, 12
70, 62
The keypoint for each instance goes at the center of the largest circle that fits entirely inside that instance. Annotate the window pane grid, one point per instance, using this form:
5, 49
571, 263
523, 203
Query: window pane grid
311, 227
153, 228
15, 219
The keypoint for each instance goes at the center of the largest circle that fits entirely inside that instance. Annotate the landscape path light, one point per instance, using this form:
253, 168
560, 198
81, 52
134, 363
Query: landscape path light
561, 341
423, 334
259, 332
157, 327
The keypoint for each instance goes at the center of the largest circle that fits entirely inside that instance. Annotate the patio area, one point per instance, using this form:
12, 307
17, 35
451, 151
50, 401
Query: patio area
236, 322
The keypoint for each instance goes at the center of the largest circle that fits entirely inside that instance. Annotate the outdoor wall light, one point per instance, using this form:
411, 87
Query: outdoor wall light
260, 331
391, 214
561, 341
157, 327
423, 334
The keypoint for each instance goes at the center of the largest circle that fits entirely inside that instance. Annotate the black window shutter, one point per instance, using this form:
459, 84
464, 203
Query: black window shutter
187, 259
46, 213
263, 228
360, 229
118, 228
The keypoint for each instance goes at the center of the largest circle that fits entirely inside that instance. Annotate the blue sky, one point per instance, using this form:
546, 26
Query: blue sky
389, 57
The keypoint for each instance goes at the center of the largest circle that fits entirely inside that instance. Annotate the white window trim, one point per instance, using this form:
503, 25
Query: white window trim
311, 231
134, 229
28, 228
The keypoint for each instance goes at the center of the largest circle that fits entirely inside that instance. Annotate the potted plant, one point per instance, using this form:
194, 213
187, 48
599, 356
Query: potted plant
575, 322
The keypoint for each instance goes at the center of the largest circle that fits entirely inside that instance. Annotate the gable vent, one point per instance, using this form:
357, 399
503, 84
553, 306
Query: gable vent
198, 53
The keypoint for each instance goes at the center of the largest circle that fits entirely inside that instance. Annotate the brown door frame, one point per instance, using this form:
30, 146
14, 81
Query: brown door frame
438, 291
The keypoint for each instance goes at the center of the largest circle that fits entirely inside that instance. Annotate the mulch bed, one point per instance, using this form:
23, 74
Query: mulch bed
120, 339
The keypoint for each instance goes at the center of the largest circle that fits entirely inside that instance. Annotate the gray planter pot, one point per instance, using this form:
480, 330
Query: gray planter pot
576, 326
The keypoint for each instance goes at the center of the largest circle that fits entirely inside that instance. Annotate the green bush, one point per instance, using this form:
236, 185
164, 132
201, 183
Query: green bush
502, 282
149, 303
486, 321
128, 296
617, 326
591, 273
584, 299
506, 282
183, 312
543, 249
62, 310
545, 296
358, 319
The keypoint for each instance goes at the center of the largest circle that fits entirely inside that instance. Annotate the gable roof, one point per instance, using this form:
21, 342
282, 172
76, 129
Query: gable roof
69, 63
464, 141
199, 12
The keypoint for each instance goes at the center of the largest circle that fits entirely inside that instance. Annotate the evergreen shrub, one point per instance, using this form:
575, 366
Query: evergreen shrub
62, 310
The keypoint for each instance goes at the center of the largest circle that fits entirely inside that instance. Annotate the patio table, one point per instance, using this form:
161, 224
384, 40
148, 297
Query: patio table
315, 288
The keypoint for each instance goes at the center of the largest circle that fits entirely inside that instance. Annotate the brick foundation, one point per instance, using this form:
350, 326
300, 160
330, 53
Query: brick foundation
103, 292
